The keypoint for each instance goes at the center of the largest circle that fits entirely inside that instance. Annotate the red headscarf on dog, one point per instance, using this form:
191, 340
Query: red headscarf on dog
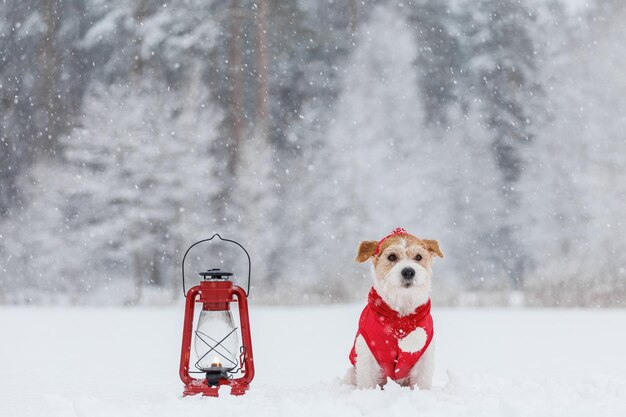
382, 328
396, 231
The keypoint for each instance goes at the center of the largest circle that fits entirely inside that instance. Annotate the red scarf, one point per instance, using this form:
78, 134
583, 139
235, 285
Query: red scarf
382, 328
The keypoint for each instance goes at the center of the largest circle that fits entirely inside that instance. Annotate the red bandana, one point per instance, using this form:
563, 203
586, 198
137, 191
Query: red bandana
396, 231
382, 328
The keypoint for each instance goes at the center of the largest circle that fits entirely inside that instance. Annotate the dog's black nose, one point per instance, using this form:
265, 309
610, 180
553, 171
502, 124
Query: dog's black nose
408, 273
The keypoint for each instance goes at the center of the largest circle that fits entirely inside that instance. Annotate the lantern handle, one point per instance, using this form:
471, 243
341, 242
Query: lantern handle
225, 240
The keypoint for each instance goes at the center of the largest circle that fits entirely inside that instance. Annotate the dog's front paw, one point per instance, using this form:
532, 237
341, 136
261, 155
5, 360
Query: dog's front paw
367, 372
367, 383
350, 377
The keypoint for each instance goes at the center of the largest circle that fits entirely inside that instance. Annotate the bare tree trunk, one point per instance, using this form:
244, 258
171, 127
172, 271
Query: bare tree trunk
139, 280
140, 15
236, 76
49, 61
354, 16
261, 69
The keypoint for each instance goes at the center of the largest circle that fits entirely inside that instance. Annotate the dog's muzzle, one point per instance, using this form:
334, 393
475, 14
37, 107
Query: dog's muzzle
408, 274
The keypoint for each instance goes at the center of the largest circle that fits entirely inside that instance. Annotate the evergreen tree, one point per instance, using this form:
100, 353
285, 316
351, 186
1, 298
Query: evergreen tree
373, 143
40, 88
135, 197
440, 59
577, 164
504, 77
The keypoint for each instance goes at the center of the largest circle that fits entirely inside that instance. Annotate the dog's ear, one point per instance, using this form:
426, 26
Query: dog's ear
433, 247
366, 250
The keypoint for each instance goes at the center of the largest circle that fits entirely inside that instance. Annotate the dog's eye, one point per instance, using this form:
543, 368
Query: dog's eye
392, 257
418, 257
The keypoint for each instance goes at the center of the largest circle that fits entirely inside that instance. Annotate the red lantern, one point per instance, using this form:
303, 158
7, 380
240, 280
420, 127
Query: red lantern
219, 357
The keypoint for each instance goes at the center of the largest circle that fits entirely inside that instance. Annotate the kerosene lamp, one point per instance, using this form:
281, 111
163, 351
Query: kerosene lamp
218, 356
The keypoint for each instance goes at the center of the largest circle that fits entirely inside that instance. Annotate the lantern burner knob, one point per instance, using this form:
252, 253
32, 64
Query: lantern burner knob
215, 273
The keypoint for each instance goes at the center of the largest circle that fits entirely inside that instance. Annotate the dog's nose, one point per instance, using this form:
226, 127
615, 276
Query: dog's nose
408, 273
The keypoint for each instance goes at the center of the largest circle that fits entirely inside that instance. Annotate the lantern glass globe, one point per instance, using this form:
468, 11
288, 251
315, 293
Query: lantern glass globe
216, 337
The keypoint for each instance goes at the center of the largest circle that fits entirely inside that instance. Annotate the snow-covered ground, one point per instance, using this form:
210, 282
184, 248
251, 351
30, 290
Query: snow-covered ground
124, 362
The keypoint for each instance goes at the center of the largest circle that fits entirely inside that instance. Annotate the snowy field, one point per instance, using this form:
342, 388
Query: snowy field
124, 362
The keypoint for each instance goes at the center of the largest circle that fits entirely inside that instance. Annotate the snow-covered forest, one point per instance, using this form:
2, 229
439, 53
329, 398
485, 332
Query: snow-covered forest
131, 129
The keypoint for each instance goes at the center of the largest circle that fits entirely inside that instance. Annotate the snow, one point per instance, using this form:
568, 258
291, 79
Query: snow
124, 362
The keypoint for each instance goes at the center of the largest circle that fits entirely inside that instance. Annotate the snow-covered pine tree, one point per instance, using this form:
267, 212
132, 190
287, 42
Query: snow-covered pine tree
573, 190
126, 203
440, 58
42, 78
503, 78
376, 153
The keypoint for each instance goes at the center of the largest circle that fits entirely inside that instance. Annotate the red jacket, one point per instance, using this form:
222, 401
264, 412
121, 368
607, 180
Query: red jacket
382, 328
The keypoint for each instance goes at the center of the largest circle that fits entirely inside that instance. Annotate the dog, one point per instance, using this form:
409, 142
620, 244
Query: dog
395, 335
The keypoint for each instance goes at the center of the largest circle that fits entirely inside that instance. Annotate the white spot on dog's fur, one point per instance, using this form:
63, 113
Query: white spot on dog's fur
414, 341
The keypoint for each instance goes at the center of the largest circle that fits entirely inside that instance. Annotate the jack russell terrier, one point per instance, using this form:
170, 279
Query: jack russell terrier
395, 335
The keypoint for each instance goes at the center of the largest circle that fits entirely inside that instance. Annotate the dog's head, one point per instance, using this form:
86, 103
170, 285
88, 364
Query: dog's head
402, 266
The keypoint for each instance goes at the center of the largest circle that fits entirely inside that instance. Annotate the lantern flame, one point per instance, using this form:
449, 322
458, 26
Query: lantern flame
216, 362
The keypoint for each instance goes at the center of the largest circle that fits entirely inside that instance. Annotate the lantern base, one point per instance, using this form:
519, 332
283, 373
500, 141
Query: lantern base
199, 386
